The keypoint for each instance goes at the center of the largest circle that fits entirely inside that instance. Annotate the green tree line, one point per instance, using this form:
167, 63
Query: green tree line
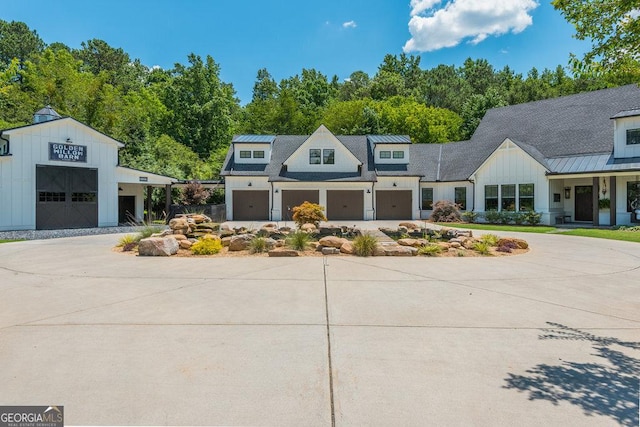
180, 121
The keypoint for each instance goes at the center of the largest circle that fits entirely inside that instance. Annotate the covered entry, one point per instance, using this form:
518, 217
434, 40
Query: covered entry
393, 204
66, 197
291, 198
584, 203
345, 204
249, 205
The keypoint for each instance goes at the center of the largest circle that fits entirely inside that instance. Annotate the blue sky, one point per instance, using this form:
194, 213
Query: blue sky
333, 36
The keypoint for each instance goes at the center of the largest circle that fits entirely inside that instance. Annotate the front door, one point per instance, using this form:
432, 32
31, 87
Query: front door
584, 203
126, 209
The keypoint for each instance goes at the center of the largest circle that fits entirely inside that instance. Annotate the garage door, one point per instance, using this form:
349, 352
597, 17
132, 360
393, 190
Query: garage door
291, 198
250, 205
345, 204
393, 204
66, 197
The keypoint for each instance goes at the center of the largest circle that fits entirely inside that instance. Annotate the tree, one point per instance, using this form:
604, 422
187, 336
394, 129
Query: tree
612, 26
357, 86
265, 87
475, 108
18, 41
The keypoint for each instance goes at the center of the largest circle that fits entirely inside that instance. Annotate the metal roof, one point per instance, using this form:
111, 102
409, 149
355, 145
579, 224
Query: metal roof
254, 139
389, 139
627, 113
592, 163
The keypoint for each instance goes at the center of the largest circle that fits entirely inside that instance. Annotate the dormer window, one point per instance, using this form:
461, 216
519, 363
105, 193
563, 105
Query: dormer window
325, 157
398, 155
385, 154
328, 156
633, 136
315, 156
258, 154
245, 154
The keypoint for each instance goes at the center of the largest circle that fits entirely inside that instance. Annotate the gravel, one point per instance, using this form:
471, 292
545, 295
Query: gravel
54, 234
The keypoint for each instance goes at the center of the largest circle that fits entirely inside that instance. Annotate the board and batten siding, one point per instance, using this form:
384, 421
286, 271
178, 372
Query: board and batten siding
30, 147
509, 164
445, 191
621, 149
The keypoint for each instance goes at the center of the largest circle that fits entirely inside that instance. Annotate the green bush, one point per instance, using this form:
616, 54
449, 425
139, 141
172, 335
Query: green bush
129, 242
364, 244
445, 211
490, 239
308, 213
430, 250
492, 217
482, 248
206, 247
470, 216
519, 218
147, 230
298, 240
506, 217
258, 245
532, 218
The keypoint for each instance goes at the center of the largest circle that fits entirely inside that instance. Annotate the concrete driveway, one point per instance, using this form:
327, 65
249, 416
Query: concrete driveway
547, 338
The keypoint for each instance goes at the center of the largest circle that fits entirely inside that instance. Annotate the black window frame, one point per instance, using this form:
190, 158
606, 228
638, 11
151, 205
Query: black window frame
633, 136
460, 201
315, 156
424, 201
633, 192
398, 154
495, 200
527, 197
385, 154
328, 156
258, 154
507, 203
245, 154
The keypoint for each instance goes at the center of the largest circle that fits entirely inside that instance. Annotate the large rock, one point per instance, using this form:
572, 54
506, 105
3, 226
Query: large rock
226, 241
397, 250
347, 248
227, 233
409, 225
379, 250
185, 244
179, 226
332, 241
327, 250
283, 253
411, 242
308, 227
158, 246
510, 241
241, 242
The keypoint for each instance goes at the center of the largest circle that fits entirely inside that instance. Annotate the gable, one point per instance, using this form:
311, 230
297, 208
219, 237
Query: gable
303, 159
510, 160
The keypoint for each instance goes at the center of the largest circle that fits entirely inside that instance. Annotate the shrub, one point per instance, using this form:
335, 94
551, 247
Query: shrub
430, 250
490, 239
492, 217
481, 247
147, 230
206, 247
129, 242
507, 246
258, 245
506, 217
519, 218
532, 218
470, 216
298, 240
308, 212
445, 211
364, 244
194, 193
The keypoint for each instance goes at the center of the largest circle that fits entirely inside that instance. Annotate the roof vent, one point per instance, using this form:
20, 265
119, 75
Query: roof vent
45, 115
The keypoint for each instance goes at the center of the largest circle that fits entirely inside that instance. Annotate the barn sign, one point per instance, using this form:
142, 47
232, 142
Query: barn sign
67, 152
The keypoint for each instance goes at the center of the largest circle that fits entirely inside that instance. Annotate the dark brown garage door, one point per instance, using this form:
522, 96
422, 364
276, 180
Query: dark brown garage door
393, 204
345, 204
66, 197
291, 198
250, 205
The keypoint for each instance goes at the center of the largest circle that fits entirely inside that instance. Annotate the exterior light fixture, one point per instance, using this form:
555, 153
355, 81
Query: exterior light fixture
368, 191
277, 191
249, 184
69, 140
395, 185
567, 192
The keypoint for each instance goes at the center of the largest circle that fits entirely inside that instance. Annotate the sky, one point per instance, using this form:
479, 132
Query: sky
336, 37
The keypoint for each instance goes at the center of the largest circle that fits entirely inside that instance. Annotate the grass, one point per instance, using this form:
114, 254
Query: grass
365, 244
258, 245
627, 236
496, 227
430, 250
298, 240
11, 240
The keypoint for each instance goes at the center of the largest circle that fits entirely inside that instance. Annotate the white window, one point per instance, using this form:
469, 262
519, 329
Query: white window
245, 154
385, 154
258, 154
398, 154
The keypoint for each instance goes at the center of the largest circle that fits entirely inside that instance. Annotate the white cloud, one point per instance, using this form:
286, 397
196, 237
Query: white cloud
459, 20
419, 6
349, 24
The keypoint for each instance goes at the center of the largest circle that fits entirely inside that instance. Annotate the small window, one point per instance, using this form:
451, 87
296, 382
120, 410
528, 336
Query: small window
258, 154
508, 197
398, 154
461, 197
328, 156
427, 199
245, 154
385, 154
315, 156
45, 196
526, 197
83, 197
490, 197
633, 136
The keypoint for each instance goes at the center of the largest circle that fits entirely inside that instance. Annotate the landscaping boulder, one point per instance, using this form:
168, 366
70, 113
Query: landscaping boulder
241, 242
158, 246
179, 237
283, 253
271, 243
330, 230
226, 241
332, 241
347, 248
379, 250
226, 233
326, 250
397, 250
179, 226
412, 242
185, 244
409, 225
308, 227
